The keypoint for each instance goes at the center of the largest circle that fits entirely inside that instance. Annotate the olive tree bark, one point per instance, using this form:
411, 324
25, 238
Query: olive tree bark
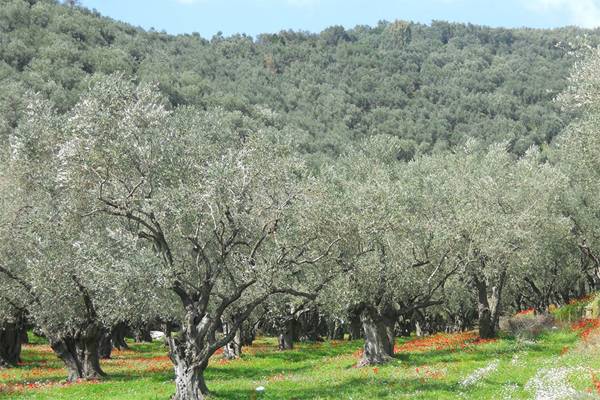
308, 324
489, 306
141, 334
118, 334
287, 334
379, 323
335, 329
10, 344
354, 325
233, 349
80, 354
202, 300
379, 336
105, 345
248, 334
541, 298
190, 351
79, 348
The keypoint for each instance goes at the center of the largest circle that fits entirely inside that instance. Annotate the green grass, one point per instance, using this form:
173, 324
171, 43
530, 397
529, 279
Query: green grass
323, 371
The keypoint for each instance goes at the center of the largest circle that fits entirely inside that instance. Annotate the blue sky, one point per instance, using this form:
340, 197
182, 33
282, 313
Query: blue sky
257, 16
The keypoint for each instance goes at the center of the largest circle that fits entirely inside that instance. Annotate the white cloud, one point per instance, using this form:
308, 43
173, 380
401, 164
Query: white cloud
585, 13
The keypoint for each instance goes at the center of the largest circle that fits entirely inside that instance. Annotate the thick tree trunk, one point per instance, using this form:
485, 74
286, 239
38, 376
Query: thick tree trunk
286, 336
488, 309
23, 336
418, 330
486, 326
307, 325
248, 334
105, 346
118, 337
336, 330
354, 327
189, 382
189, 365
91, 357
233, 349
405, 327
191, 349
80, 355
379, 338
66, 350
142, 335
10, 345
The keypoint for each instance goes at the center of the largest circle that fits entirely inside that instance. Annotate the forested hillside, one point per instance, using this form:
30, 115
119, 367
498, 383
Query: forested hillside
430, 85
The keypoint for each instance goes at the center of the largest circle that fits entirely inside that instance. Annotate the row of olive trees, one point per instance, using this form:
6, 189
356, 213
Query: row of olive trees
124, 210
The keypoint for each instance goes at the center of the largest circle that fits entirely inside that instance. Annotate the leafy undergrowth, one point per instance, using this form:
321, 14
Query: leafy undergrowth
559, 363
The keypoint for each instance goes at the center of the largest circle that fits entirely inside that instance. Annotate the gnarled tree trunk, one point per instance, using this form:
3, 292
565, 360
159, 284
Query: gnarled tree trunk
105, 345
336, 330
488, 308
307, 324
189, 380
141, 334
354, 326
286, 335
190, 351
248, 334
10, 344
118, 334
233, 349
379, 337
80, 354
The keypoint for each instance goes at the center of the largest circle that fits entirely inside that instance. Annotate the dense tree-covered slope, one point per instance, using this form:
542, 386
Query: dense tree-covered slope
432, 86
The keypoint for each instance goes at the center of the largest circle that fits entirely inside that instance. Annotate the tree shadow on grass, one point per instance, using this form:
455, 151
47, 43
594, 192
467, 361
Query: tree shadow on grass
352, 388
311, 352
252, 373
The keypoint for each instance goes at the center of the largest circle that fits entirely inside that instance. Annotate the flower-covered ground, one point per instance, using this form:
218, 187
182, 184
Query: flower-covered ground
562, 364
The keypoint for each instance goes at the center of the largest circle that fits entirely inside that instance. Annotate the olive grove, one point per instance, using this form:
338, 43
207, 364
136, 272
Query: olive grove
135, 196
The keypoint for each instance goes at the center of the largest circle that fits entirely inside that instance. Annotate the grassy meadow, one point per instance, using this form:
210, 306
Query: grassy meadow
558, 364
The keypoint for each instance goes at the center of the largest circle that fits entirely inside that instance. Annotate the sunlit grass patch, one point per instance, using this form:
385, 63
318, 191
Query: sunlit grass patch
448, 366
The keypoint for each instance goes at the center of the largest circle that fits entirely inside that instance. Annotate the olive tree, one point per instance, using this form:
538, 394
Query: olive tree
225, 209
12, 310
396, 253
577, 155
70, 279
501, 205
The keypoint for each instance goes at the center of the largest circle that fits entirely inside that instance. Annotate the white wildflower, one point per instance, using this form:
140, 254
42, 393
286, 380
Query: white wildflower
509, 390
481, 373
552, 384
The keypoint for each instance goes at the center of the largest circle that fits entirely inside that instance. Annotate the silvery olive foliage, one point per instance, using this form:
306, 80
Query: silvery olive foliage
397, 249
68, 270
12, 299
223, 205
394, 248
577, 156
505, 211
